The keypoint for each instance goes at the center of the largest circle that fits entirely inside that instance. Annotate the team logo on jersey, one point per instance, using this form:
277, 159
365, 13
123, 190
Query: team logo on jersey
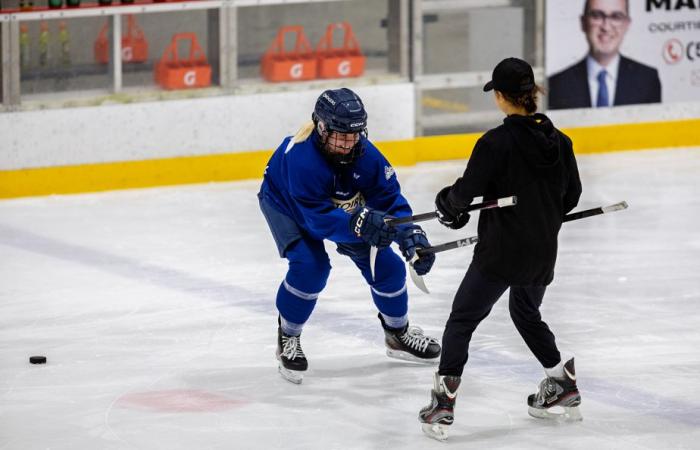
388, 172
349, 205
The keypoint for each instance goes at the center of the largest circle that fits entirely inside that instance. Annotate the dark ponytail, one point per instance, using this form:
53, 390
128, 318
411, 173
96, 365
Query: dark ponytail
528, 101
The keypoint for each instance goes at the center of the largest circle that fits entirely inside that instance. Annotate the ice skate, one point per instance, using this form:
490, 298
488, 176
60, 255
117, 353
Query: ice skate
557, 398
437, 417
410, 344
292, 361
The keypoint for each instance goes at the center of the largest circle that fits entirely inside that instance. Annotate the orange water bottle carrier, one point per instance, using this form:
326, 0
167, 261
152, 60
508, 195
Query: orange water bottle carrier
134, 44
339, 62
299, 64
174, 72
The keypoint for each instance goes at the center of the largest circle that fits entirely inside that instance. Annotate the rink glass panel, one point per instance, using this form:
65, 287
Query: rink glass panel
57, 58
461, 45
258, 26
3, 54
476, 39
459, 110
159, 30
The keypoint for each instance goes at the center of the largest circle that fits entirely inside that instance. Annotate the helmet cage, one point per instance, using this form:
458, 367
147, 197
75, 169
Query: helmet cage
338, 154
341, 111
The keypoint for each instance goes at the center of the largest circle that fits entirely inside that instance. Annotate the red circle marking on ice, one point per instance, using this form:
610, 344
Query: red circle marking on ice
180, 400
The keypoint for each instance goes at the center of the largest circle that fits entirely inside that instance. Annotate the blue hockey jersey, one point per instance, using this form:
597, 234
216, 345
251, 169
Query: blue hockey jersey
301, 184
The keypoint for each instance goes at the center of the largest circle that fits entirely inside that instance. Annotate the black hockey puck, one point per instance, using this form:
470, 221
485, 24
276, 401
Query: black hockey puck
37, 359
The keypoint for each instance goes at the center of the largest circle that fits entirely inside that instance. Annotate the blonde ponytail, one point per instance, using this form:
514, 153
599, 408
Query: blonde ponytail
304, 132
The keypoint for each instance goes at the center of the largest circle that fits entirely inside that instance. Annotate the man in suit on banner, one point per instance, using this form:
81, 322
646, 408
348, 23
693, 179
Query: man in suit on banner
604, 77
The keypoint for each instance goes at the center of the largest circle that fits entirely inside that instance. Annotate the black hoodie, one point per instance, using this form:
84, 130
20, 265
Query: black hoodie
529, 158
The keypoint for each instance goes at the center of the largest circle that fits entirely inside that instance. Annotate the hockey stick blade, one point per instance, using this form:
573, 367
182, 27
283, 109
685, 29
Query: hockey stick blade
499, 203
595, 211
417, 279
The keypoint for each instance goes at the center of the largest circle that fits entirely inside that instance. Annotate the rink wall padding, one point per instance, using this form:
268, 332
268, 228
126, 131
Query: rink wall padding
250, 165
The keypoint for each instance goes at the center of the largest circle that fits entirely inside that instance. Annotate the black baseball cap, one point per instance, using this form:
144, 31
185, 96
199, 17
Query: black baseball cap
513, 76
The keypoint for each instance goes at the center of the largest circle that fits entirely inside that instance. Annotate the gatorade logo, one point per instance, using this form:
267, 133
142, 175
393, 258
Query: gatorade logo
296, 71
127, 54
190, 78
344, 68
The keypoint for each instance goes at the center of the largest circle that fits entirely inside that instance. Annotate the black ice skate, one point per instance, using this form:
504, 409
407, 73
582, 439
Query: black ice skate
439, 414
410, 344
557, 393
292, 361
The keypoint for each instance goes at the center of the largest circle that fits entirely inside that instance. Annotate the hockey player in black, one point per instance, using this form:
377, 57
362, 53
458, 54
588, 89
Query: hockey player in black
527, 157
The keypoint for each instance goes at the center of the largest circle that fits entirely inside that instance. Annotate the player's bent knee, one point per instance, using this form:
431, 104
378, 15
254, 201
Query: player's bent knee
390, 270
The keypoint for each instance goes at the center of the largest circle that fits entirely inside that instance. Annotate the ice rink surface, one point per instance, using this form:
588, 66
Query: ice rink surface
155, 309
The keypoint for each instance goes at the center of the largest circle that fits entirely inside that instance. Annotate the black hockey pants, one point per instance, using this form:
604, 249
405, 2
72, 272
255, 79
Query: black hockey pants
473, 302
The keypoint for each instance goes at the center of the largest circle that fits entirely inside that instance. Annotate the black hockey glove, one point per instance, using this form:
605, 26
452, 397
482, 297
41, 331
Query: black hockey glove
368, 224
447, 214
412, 238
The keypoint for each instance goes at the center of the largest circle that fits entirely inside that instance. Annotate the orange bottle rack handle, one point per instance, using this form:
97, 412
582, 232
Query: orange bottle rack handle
196, 55
350, 44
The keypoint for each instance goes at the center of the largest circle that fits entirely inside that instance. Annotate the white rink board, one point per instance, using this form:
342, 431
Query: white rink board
201, 126
155, 309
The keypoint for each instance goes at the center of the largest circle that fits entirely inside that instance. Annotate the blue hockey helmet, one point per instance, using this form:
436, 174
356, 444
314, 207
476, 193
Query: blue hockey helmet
342, 111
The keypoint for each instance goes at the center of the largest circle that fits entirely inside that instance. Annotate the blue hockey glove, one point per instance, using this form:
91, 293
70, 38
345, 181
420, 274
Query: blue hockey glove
368, 224
411, 239
447, 214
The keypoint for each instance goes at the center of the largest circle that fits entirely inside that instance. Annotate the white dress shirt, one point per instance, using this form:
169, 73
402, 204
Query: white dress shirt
610, 78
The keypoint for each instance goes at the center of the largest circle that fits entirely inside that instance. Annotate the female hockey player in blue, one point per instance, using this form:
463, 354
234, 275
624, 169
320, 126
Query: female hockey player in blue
330, 182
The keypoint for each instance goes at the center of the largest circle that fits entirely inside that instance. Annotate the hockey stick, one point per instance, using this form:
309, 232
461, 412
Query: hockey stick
595, 211
448, 246
567, 218
417, 279
420, 283
499, 203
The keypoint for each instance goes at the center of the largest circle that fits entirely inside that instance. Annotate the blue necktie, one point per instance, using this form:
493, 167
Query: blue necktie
602, 90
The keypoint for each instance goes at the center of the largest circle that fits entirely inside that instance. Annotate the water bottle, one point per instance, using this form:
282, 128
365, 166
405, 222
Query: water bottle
44, 44
24, 46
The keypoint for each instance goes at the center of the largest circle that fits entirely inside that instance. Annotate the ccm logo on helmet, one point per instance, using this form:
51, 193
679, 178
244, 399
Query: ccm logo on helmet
357, 124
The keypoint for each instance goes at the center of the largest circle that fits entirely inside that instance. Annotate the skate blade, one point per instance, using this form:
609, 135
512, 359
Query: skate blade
569, 414
436, 431
405, 356
293, 376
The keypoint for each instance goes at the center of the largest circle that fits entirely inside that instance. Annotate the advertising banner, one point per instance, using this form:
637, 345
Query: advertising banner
615, 52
